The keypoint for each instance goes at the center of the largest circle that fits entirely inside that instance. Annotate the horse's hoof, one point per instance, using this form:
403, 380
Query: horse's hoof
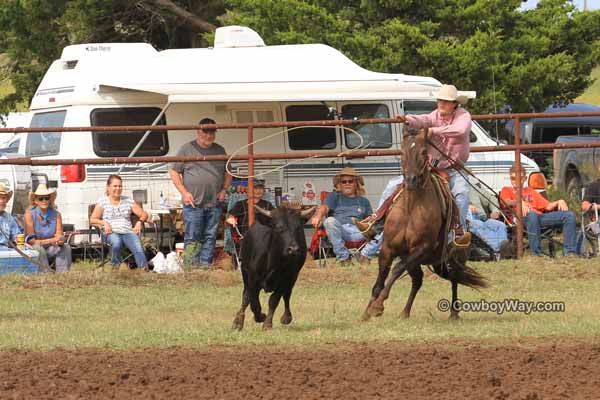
260, 318
376, 310
404, 315
286, 319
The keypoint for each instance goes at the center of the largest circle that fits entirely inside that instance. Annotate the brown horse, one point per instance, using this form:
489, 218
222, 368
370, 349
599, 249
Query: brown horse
415, 231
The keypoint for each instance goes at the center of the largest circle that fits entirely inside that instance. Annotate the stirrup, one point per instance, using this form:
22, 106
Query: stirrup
461, 241
365, 227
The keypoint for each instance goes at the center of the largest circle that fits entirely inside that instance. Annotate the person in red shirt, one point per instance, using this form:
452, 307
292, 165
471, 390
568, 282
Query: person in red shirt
538, 212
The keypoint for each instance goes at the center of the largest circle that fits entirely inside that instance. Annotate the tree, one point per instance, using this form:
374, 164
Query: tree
525, 59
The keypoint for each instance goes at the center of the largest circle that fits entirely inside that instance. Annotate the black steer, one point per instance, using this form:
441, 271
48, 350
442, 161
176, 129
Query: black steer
272, 257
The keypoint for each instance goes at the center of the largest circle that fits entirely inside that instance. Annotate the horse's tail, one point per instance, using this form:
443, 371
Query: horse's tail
463, 274
467, 276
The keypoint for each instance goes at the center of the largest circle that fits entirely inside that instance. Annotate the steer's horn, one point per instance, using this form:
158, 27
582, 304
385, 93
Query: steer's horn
306, 213
264, 212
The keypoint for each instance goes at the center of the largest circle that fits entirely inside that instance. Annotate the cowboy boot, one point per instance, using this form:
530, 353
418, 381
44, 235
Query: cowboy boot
459, 247
368, 227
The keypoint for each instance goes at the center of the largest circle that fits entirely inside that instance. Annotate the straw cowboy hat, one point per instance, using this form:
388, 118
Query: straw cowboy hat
348, 171
6, 190
450, 93
42, 190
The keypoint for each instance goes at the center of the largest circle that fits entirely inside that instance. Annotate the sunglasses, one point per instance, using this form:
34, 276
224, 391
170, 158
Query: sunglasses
209, 131
43, 198
347, 181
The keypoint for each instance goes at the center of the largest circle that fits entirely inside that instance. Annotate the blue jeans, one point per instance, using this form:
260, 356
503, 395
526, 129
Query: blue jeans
201, 225
459, 187
372, 247
132, 242
492, 232
338, 233
534, 222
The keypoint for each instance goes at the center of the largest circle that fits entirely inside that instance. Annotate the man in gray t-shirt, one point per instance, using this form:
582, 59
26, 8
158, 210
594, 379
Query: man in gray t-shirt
202, 185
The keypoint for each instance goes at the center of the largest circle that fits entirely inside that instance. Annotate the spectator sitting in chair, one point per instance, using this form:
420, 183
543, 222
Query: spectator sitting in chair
538, 212
8, 226
345, 202
113, 213
238, 215
43, 226
483, 220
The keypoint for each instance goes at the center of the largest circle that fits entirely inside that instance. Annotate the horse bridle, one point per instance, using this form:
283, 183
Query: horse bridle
426, 165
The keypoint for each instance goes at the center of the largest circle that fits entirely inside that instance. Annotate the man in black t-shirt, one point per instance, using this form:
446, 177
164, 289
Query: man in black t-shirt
238, 215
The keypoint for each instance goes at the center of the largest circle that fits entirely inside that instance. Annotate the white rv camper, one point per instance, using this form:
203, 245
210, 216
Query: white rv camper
240, 80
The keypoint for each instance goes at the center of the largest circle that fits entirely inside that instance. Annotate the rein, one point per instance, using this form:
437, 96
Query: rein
460, 167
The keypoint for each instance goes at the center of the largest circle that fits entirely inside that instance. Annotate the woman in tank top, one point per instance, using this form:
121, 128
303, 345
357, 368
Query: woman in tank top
44, 230
113, 213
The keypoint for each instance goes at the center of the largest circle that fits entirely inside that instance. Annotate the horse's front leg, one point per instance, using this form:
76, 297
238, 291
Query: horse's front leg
453, 306
385, 260
416, 274
376, 307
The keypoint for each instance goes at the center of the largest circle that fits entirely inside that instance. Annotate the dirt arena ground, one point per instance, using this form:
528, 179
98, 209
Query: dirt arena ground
531, 370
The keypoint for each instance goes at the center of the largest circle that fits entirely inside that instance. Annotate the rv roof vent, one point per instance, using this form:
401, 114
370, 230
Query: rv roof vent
70, 64
237, 36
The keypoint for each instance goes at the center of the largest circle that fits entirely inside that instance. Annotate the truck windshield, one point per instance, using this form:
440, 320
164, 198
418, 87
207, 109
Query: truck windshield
45, 143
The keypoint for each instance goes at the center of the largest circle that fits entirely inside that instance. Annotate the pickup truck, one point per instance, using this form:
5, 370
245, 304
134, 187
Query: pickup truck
576, 168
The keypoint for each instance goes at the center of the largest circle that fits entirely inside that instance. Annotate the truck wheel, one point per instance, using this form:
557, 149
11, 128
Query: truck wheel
574, 187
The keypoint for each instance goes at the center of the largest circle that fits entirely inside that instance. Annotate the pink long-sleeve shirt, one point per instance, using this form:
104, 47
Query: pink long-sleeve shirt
451, 134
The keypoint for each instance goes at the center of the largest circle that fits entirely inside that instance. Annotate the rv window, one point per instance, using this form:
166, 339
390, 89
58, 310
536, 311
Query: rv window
375, 136
45, 143
419, 107
120, 144
310, 138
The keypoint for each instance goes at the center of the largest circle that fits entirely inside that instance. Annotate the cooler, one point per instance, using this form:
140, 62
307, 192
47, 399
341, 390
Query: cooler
13, 262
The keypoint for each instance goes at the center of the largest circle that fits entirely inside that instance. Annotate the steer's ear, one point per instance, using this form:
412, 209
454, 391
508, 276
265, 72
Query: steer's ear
307, 213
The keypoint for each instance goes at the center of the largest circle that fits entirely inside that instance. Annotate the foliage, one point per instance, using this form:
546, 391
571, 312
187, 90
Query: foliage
527, 59
592, 93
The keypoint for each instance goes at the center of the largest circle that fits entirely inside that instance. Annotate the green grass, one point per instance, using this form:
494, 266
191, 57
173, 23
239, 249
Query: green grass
592, 93
131, 310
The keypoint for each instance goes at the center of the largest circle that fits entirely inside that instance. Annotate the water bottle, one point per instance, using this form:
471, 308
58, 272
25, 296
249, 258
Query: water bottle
162, 203
278, 196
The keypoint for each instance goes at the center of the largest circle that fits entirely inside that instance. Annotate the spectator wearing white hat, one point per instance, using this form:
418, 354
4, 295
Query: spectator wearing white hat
44, 230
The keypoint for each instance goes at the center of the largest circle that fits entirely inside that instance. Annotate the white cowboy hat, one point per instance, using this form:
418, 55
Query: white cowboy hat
42, 190
450, 93
6, 190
